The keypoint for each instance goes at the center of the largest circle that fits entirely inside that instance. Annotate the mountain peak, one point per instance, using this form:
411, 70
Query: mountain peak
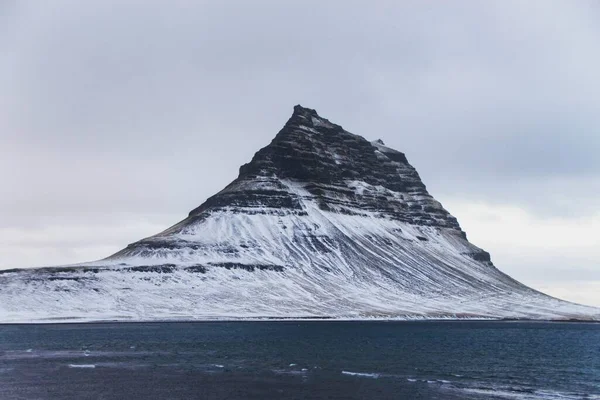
298, 109
309, 120
339, 171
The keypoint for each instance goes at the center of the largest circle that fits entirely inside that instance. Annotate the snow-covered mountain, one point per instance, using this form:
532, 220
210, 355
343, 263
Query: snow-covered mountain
321, 223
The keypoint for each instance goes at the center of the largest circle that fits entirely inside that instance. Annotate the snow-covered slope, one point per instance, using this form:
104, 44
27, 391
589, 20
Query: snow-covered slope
321, 223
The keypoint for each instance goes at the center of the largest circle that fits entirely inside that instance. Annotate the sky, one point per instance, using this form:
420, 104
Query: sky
117, 117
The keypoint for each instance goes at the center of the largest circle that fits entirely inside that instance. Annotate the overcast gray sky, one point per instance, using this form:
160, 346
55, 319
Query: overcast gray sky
118, 117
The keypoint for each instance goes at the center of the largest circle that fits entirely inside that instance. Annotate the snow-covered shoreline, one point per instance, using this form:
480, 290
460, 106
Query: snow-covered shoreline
414, 318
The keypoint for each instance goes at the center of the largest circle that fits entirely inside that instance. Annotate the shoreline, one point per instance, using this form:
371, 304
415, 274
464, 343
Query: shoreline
294, 319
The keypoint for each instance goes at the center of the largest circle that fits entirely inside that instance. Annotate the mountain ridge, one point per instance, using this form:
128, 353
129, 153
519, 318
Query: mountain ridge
321, 223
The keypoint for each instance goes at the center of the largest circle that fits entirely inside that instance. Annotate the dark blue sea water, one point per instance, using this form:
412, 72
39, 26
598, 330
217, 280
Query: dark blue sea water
301, 360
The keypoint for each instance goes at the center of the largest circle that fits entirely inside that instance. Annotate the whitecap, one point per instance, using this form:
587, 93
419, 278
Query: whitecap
529, 394
362, 374
292, 372
82, 366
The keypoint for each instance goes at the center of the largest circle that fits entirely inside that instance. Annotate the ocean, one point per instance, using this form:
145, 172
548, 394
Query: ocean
301, 360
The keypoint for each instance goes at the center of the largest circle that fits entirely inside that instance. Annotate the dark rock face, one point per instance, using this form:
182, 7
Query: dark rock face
343, 172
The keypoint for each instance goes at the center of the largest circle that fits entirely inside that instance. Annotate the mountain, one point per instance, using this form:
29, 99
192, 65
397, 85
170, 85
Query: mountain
320, 223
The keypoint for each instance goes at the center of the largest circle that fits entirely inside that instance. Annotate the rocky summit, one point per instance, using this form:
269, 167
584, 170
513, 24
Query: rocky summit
321, 223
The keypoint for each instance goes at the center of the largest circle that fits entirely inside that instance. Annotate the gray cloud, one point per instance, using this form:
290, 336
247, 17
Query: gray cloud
146, 108
490, 93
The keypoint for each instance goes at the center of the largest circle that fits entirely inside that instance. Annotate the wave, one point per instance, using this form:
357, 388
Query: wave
362, 374
529, 394
505, 392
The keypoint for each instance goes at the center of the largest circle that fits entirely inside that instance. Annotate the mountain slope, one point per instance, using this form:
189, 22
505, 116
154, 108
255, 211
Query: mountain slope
321, 223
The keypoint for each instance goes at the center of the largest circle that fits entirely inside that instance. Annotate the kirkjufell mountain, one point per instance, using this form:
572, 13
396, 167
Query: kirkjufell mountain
321, 223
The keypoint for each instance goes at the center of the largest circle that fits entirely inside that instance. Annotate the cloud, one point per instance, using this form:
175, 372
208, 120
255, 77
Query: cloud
542, 252
54, 241
582, 292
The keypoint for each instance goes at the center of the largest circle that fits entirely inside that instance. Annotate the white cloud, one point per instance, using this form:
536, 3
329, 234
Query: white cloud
582, 292
558, 254
55, 241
